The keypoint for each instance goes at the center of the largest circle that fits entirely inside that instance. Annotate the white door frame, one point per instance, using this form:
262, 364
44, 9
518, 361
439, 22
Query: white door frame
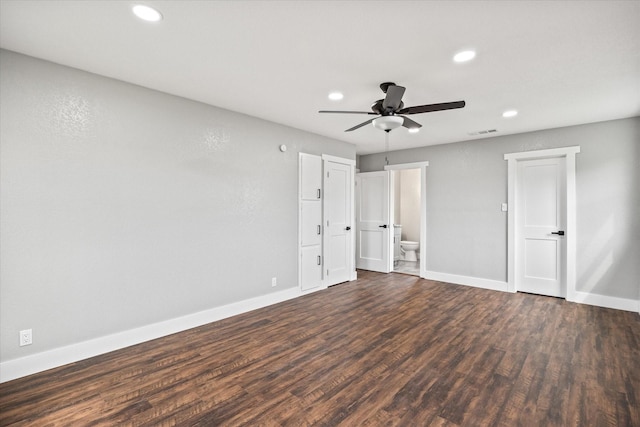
569, 153
352, 166
423, 210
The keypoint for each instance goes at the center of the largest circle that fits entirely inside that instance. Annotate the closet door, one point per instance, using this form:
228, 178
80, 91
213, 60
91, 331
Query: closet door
310, 229
310, 267
310, 177
338, 222
311, 223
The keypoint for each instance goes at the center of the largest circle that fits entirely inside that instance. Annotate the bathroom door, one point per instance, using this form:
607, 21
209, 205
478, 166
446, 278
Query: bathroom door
372, 221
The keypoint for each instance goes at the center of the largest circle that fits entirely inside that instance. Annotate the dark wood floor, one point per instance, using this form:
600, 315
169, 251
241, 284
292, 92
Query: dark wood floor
385, 350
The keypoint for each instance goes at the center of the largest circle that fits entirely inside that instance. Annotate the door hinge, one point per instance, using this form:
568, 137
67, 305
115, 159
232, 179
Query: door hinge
327, 272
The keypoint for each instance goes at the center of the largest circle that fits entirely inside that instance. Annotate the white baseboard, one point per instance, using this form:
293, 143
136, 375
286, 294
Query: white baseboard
39, 362
606, 301
476, 282
49, 359
579, 297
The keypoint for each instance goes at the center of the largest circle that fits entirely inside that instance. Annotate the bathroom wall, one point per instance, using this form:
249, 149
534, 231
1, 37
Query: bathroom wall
121, 206
467, 182
410, 204
397, 196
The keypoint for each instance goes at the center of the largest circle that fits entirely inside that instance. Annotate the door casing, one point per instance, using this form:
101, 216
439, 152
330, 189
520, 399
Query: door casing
569, 153
423, 210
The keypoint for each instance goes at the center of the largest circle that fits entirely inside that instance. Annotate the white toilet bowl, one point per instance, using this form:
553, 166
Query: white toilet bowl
409, 249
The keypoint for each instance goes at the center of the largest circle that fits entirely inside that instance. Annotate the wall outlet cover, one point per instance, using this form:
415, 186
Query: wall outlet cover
26, 337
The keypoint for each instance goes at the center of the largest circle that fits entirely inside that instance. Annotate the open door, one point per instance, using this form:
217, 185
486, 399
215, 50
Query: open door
372, 221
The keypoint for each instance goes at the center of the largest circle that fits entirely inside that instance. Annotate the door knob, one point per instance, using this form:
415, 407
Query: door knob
559, 233
347, 228
383, 226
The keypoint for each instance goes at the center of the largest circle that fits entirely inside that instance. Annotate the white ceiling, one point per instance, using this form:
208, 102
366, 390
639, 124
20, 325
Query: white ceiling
558, 63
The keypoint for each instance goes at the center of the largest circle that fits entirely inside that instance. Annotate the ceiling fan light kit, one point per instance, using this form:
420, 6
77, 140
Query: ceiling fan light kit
388, 123
392, 112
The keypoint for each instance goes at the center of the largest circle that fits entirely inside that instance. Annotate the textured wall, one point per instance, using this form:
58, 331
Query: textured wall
122, 206
467, 182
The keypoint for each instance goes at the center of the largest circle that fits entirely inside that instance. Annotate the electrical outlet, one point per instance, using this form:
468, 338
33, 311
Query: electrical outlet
274, 281
26, 337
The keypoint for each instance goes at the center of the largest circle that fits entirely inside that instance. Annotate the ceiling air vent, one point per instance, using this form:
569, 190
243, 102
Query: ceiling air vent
482, 132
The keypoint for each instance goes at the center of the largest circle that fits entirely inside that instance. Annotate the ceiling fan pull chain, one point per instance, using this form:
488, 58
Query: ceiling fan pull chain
386, 147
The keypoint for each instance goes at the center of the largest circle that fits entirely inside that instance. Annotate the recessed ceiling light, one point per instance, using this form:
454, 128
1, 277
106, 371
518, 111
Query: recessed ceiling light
510, 113
464, 56
147, 13
336, 96
414, 130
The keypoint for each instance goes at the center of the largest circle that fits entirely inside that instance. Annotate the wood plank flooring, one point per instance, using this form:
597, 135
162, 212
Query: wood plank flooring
385, 350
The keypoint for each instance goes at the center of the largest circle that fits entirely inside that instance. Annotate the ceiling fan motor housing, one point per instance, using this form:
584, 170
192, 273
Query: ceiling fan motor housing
384, 86
376, 107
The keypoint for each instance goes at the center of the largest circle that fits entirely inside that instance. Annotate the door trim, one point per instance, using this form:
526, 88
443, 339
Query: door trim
423, 210
569, 153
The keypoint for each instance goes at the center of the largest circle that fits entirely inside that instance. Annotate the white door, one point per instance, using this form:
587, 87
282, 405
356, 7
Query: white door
310, 222
338, 260
310, 177
540, 225
310, 267
310, 244
372, 221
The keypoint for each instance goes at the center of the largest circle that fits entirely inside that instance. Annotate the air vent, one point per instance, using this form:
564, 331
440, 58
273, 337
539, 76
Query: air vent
483, 132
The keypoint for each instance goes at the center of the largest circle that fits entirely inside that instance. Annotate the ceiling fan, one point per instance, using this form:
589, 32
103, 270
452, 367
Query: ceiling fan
392, 112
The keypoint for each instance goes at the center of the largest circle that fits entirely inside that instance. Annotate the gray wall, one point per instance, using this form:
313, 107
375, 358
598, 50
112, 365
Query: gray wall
467, 182
122, 206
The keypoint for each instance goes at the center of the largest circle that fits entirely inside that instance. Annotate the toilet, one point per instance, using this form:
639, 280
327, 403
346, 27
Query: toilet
409, 249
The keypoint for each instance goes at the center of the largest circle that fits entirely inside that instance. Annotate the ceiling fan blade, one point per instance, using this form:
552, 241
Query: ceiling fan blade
410, 124
360, 125
394, 97
349, 112
432, 107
